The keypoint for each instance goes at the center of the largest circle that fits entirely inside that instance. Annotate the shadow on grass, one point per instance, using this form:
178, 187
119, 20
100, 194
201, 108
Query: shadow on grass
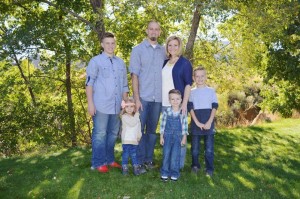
251, 162
259, 159
43, 175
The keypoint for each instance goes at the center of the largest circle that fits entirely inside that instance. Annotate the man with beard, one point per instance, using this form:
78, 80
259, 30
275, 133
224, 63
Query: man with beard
145, 66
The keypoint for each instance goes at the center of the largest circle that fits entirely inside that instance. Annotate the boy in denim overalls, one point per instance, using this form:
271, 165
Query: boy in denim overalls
173, 131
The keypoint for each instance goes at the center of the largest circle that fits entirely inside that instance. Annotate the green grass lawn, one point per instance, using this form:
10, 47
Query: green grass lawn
256, 162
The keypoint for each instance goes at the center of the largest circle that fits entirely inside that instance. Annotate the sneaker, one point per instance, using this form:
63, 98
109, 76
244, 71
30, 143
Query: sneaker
142, 169
195, 169
174, 179
164, 178
125, 169
93, 168
115, 165
149, 165
103, 169
209, 173
138, 170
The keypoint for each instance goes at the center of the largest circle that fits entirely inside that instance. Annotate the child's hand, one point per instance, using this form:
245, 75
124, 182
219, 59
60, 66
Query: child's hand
183, 141
200, 125
162, 140
207, 125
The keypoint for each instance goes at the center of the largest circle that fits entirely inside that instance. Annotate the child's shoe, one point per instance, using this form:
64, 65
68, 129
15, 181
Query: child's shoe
137, 170
164, 178
195, 169
125, 169
209, 173
174, 179
149, 165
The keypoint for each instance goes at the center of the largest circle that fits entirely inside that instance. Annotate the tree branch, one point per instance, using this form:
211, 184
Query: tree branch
71, 13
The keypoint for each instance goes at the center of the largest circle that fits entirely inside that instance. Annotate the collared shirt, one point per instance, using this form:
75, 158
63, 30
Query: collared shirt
108, 77
170, 112
146, 62
204, 98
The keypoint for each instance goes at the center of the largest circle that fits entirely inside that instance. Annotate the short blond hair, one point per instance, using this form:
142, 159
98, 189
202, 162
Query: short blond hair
199, 68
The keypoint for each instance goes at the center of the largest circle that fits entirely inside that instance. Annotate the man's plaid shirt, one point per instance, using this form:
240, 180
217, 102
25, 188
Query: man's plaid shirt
169, 112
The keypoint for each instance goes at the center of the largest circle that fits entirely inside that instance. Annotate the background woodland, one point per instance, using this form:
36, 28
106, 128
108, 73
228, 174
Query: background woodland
250, 49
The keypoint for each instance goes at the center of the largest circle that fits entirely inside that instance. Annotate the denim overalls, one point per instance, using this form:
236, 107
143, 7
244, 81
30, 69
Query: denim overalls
172, 146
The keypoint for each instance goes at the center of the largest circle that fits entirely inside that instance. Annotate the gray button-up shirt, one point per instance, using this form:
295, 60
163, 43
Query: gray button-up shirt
146, 62
108, 77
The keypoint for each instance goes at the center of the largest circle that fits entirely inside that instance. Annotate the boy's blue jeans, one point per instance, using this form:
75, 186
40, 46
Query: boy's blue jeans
209, 151
105, 132
171, 155
183, 148
149, 120
129, 150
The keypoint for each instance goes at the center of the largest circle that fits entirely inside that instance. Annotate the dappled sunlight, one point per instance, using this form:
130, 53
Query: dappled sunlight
225, 167
287, 168
39, 188
250, 170
245, 181
228, 184
77, 154
33, 161
279, 186
261, 160
57, 153
240, 148
210, 181
118, 147
268, 175
47, 172
75, 190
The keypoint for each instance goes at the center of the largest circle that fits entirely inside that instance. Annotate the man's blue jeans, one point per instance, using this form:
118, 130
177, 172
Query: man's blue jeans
129, 150
209, 151
105, 132
149, 120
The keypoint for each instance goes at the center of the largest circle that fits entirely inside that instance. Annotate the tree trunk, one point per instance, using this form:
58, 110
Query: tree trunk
98, 6
27, 82
192, 37
71, 113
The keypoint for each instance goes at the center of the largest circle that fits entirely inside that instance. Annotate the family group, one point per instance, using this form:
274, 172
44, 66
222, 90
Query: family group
162, 90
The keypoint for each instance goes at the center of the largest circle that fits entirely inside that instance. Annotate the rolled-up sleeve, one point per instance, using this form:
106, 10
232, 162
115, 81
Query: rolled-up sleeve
91, 73
163, 122
125, 80
134, 64
215, 104
184, 125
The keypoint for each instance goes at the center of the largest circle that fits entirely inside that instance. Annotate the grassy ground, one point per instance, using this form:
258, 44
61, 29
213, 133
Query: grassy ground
255, 162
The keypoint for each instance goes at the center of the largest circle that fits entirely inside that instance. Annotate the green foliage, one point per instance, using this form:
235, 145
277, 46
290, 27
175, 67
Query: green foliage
264, 38
282, 97
236, 42
23, 125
